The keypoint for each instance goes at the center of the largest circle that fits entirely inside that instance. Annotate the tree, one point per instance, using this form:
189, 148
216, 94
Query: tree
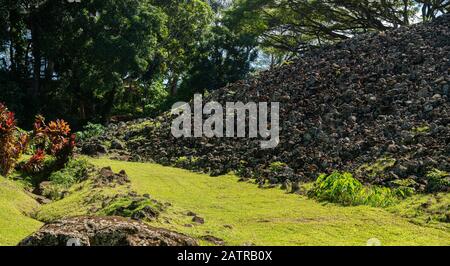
193, 17
224, 58
105, 44
225, 55
288, 27
431, 8
77, 56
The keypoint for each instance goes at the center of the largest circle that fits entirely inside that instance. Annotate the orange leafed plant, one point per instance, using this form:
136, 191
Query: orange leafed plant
54, 138
35, 164
12, 143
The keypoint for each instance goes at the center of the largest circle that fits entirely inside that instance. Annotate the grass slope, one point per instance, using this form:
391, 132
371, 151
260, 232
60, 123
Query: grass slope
241, 214
79, 202
15, 206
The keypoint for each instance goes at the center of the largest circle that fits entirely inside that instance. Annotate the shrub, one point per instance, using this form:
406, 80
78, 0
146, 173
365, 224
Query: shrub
35, 164
12, 142
186, 162
438, 181
54, 138
181, 161
404, 187
337, 188
380, 196
243, 170
343, 189
73, 172
90, 130
53, 192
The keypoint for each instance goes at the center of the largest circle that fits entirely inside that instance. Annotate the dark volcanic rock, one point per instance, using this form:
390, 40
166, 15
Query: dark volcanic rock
93, 148
104, 231
379, 95
197, 219
106, 177
214, 240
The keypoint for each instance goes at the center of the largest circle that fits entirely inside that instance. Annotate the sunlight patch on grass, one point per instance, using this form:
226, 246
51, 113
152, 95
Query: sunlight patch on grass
15, 206
80, 200
240, 213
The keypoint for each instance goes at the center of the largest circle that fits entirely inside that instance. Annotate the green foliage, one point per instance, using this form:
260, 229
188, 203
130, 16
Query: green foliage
292, 26
438, 181
94, 59
337, 188
74, 171
90, 130
141, 126
225, 57
404, 187
421, 129
181, 160
381, 196
343, 189
277, 166
92, 50
186, 162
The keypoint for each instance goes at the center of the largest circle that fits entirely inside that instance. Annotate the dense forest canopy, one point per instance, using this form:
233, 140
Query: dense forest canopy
91, 59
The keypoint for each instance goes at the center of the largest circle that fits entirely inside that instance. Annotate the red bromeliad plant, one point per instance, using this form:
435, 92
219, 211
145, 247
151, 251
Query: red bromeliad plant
12, 143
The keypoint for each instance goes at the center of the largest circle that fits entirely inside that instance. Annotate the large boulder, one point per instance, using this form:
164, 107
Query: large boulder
104, 231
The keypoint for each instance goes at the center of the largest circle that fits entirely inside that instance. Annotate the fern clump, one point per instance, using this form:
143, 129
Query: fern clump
343, 188
90, 131
337, 188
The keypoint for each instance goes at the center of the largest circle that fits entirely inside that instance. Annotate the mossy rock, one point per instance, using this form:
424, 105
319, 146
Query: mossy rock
134, 208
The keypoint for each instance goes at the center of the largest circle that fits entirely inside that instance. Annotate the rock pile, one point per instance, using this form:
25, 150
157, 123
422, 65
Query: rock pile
379, 96
104, 231
106, 177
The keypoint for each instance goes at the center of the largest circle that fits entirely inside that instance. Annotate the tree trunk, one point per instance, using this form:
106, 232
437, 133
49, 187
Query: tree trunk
34, 89
173, 85
109, 104
82, 110
49, 70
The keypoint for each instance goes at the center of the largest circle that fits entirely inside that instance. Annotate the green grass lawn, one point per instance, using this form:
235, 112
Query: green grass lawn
242, 214
15, 206
238, 213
